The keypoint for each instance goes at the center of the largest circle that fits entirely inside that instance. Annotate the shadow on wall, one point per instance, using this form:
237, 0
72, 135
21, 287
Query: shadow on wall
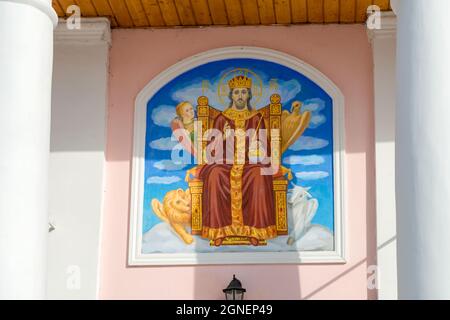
260, 281
371, 222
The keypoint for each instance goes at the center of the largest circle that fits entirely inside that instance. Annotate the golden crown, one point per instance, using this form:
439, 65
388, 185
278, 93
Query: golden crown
240, 82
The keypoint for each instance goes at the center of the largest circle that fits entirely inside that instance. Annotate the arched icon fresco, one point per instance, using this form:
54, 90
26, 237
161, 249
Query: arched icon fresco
237, 155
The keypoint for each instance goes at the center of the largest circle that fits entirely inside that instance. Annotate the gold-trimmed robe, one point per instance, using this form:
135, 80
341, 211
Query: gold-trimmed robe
238, 198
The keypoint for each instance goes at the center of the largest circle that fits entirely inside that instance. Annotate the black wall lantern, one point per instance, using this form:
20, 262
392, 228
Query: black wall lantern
234, 291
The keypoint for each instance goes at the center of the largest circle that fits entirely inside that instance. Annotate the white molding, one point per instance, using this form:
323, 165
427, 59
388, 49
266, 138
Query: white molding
395, 5
41, 5
388, 27
92, 31
384, 73
136, 258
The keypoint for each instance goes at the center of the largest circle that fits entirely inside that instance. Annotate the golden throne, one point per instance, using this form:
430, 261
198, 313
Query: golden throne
272, 118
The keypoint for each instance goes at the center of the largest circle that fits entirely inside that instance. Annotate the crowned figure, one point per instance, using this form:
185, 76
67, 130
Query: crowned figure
238, 196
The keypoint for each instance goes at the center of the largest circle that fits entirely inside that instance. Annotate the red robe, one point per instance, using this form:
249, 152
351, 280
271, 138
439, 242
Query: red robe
237, 199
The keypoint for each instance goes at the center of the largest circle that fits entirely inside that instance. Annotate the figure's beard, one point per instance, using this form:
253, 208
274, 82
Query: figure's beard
240, 104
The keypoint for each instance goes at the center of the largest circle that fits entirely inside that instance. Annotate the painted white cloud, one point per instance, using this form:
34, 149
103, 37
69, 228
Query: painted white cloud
169, 165
311, 175
163, 115
163, 180
193, 91
164, 144
317, 120
287, 89
162, 239
308, 143
315, 106
304, 160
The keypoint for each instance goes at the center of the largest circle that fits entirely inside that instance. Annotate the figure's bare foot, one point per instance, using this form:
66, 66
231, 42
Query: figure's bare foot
218, 242
254, 241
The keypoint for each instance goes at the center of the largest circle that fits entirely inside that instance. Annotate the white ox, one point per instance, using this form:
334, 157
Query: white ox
301, 210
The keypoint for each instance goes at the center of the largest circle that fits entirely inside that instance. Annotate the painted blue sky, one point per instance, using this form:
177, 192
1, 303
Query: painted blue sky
310, 157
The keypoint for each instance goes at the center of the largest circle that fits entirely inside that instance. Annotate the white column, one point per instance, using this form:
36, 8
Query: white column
384, 47
423, 149
26, 53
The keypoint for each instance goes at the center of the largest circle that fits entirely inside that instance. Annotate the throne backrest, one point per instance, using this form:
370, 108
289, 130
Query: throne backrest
205, 118
272, 119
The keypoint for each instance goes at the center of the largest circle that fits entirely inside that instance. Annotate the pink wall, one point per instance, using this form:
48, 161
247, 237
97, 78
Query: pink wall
342, 53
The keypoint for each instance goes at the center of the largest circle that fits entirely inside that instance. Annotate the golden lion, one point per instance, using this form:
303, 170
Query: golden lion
176, 211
